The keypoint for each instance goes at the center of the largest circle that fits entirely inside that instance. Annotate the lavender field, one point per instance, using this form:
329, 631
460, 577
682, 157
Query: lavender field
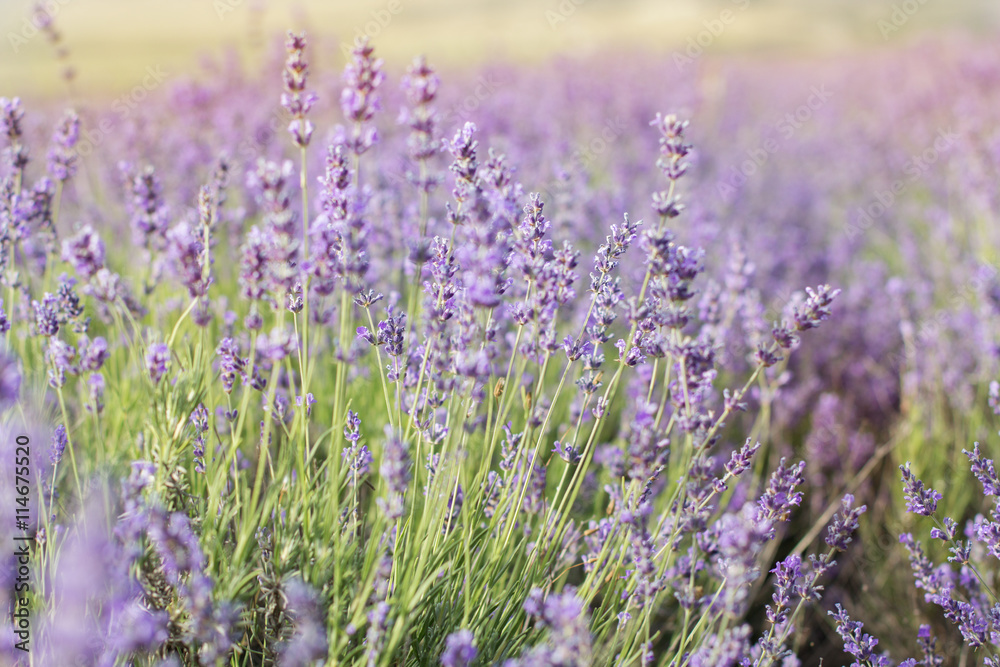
683, 355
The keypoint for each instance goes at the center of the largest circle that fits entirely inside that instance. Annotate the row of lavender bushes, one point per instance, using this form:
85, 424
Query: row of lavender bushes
387, 432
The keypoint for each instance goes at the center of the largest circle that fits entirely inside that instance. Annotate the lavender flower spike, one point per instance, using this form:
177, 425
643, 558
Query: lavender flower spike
918, 500
359, 99
459, 650
395, 471
777, 501
844, 524
296, 101
62, 155
816, 308
984, 471
856, 642
85, 251
308, 644
742, 458
59, 441
157, 361
10, 379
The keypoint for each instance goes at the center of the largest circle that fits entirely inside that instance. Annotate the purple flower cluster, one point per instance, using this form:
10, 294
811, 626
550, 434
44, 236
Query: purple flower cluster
395, 472
588, 466
359, 99
459, 650
296, 100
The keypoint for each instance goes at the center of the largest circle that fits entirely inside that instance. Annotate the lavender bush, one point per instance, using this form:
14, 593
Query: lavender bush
336, 384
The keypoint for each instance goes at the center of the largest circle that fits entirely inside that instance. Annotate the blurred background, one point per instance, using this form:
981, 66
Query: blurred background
112, 42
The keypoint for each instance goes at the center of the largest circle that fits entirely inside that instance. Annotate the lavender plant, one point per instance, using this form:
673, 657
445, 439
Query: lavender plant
960, 589
365, 407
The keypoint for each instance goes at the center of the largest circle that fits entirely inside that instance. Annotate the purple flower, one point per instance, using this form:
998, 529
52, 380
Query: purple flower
358, 461
359, 100
139, 629
366, 298
555, 611
11, 116
741, 459
567, 453
918, 500
391, 331
738, 537
722, 650
856, 642
60, 356
459, 650
341, 233
949, 530
357, 457
62, 154
565, 616
93, 353
271, 257
296, 101
984, 471
395, 472
97, 617
928, 647
176, 544
787, 574
352, 427
254, 274
785, 337
212, 624
106, 286
231, 364
59, 441
278, 345
420, 84
336, 182
609, 255
294, 301
10, 380
199, 419
150, 217
816, 308
932, 580
647, 448
157, 361
186, 252
309, 401
378, 623
844, 523
95, 386
780, 496
765, 356
308, 643
69, 307
671, 162
47, 316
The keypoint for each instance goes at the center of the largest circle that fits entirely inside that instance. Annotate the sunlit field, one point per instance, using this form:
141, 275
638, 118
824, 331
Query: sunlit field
112, 41
499, 333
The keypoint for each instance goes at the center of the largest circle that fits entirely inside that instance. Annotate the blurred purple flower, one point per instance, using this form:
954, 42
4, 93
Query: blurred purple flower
459, 650
157, 361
